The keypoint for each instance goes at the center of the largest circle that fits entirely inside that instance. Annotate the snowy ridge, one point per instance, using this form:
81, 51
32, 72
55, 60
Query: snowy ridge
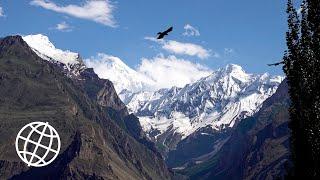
123, 77
219, 100
41, 45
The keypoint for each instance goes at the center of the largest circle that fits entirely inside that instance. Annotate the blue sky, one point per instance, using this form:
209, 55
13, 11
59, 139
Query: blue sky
250, 33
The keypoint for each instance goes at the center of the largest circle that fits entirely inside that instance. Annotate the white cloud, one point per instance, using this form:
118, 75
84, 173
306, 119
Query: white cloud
1, 12
63, 26
171, 71
180, 48
99, 11
190, 31
186, 49
151, 74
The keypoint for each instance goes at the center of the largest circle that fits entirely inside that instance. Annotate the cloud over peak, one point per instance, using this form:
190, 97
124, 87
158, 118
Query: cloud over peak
152, 73
99, 11
171, 71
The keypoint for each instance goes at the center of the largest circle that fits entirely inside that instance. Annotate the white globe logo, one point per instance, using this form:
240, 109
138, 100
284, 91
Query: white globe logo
38, 144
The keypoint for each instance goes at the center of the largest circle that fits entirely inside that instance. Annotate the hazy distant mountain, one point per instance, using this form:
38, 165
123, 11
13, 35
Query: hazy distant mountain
123, 77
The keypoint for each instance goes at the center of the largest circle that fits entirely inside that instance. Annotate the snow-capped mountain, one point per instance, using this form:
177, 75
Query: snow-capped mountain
124, 78
219, 100
41, 45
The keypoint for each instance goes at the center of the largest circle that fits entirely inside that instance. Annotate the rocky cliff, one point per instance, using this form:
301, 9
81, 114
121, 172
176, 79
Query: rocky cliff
93, 145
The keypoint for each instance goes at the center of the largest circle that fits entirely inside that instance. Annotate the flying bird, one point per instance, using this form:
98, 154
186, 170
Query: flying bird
164, 33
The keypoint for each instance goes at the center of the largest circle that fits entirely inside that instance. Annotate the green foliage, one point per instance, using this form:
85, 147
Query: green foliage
301, 65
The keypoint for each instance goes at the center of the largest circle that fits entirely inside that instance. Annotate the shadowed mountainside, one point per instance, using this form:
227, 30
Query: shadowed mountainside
257, 149
93, 145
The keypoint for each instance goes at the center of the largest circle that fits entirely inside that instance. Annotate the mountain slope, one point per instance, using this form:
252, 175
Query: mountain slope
123, 77
257, 149
93, 146
100, 90
218, 101
71, 62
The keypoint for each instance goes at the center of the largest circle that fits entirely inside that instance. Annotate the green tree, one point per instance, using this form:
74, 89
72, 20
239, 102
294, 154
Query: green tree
302, 67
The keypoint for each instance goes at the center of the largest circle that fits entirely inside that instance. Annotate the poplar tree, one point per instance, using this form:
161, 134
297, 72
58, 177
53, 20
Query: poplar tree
302, 67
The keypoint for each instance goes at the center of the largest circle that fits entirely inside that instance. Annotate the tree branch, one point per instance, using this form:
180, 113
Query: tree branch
276, 64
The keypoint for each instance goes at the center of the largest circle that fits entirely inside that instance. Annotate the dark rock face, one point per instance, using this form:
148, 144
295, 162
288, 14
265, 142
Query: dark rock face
102, 90
58, 169
83, 111
197, 147
257, 149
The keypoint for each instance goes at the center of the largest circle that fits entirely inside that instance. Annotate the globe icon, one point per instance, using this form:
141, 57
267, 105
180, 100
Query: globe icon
37, 144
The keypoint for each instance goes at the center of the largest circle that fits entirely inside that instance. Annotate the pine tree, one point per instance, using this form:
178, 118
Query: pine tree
302, 67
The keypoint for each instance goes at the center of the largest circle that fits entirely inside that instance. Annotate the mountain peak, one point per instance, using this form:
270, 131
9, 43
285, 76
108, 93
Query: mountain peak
16, 38
14, 45
233, 67
114, 60
46, 50
12, 40
122, 76
37, 40
231, 71
220, 100
234, 70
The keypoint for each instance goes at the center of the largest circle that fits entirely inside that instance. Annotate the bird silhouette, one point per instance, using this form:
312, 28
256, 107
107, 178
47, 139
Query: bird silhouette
164, 33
